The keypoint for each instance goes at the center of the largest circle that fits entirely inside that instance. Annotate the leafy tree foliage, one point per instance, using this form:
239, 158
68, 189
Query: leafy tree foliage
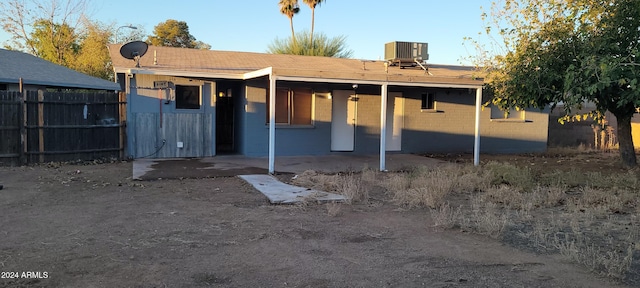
570, 52
54, 42
175, 33
92, 57
322, 46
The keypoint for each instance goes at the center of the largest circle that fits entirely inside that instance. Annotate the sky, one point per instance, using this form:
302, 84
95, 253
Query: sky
251, 25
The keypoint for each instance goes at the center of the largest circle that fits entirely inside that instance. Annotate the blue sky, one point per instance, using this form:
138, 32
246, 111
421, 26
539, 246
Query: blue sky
251, 25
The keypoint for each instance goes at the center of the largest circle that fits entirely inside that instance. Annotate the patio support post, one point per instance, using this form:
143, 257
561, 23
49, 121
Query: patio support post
272, 123
476, 143
383, 126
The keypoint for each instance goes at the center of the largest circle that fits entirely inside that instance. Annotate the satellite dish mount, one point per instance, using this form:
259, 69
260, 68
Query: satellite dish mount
134, 50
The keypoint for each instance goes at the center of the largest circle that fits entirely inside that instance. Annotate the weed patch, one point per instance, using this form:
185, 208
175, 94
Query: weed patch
589, 217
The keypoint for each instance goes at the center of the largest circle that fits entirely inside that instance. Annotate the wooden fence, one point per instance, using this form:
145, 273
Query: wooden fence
41, 126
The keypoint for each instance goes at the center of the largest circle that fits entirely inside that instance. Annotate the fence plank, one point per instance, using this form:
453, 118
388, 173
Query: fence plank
41, 125
122, 102
23, 128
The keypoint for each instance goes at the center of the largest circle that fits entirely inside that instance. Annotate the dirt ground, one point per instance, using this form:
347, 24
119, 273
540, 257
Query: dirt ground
92, 226
563, 159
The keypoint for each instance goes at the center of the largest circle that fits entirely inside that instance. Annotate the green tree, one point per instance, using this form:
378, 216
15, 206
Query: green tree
54, 42
312, 4
290, 8
323, 46
174, 33
93, 56
569, 52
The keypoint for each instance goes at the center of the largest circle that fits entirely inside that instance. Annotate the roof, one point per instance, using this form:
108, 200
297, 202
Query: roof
37, 71
229, 64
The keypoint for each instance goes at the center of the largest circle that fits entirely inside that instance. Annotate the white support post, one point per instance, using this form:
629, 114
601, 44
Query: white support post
272, 123
476, 143
383, 126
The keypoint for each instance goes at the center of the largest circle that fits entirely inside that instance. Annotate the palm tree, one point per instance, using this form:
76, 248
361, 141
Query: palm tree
290, 8
312, 4
324, 46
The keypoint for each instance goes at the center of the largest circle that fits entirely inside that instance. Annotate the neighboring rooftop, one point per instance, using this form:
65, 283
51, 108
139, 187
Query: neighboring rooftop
37, 71
214, 64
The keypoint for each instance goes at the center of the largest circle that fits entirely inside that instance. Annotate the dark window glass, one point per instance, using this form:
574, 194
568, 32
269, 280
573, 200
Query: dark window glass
428, 101
187, 97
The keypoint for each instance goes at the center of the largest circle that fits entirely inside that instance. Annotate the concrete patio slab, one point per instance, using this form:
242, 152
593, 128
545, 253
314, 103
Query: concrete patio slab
233, 165
281, 193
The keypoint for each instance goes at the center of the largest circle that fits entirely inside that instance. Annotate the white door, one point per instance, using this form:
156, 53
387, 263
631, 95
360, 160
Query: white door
343, 121
395, 121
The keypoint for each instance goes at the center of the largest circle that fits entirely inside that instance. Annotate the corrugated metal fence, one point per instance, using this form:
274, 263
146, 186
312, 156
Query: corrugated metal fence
61, 126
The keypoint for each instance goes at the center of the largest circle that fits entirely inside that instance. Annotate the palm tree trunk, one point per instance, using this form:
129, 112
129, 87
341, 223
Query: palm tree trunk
313, 20
293, 34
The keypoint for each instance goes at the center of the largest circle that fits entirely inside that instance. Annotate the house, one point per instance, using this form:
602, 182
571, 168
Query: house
19, 68
200, 103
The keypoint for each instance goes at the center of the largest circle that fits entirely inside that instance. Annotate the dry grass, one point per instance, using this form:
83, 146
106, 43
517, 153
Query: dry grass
516, 199
314, 180
354, 186
446, 216
333, 209
518, 178
577, 214
614, 264
485, 218
429, 187
605, 201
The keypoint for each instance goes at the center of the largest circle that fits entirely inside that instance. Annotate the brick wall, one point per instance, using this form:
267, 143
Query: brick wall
451, 127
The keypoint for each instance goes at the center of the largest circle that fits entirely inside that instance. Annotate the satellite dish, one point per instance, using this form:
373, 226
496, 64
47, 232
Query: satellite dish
134, 50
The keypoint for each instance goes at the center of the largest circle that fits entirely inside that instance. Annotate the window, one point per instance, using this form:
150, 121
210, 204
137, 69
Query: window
3, 87
428, 101
293, 106
187, 97
512, 114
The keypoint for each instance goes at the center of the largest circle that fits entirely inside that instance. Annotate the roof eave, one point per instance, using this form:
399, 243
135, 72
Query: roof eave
26, 81
317, 76
179, 73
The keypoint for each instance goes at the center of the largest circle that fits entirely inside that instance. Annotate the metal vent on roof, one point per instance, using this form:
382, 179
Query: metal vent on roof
406, 54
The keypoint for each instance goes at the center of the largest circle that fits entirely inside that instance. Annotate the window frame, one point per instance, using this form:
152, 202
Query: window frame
187, 108
291, 105
428, 102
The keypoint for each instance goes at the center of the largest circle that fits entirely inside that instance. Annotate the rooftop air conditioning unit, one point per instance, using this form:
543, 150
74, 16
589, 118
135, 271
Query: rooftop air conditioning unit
406, 53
